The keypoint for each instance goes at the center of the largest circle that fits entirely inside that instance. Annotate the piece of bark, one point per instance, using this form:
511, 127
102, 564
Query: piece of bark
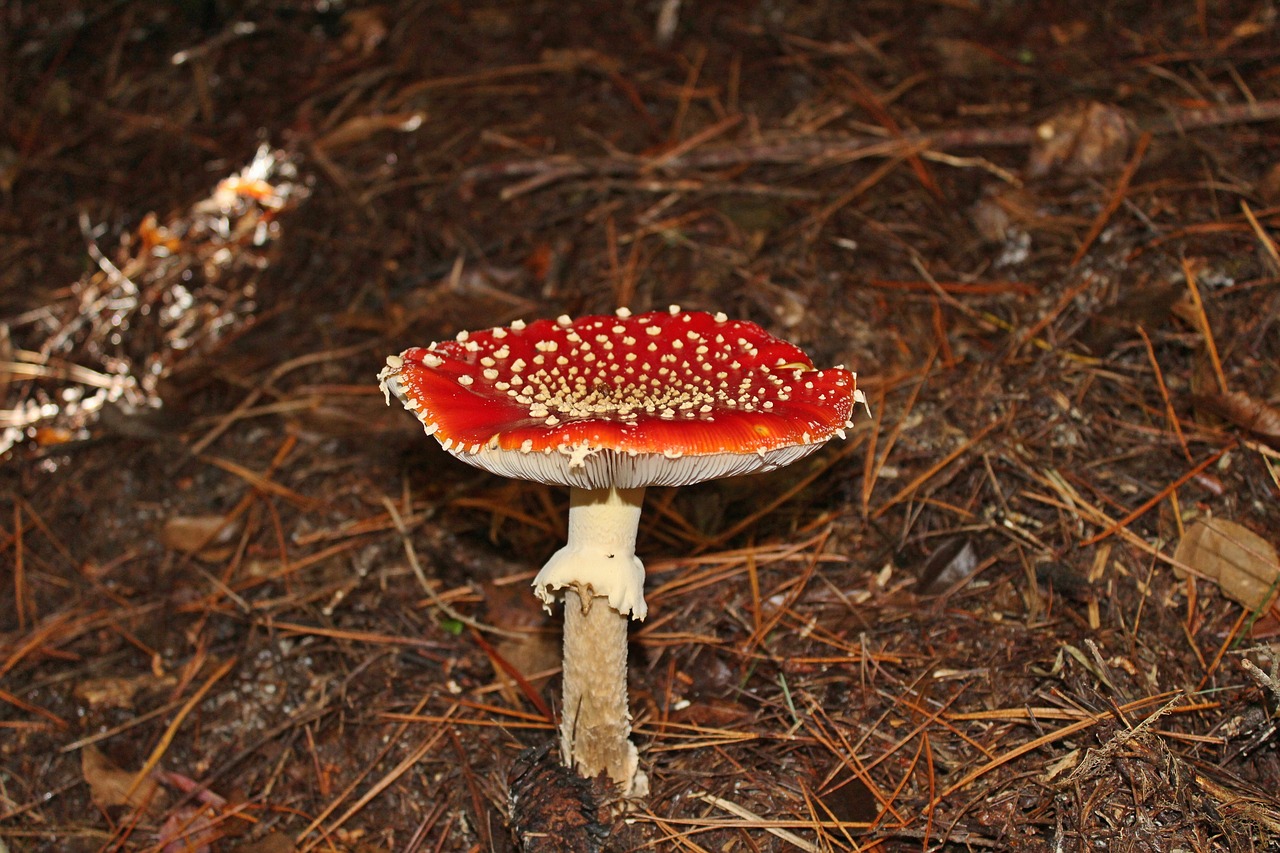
1247, 412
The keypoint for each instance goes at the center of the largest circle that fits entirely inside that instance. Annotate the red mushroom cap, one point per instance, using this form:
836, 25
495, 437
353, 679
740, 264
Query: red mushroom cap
664, 398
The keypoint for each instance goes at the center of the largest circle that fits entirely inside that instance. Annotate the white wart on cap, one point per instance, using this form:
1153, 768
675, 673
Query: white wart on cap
659, 399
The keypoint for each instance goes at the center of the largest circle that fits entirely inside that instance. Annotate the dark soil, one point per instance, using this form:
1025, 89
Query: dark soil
250, 608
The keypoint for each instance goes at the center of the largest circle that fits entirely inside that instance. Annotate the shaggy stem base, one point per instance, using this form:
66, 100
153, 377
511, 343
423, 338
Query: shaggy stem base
595, 727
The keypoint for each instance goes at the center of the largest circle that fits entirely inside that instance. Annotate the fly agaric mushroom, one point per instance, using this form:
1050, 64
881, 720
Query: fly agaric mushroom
608, 406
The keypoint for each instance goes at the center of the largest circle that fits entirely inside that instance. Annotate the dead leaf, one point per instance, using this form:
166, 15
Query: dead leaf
1244, 564
110, 785
493, 23
193, 534
852, 802
990, 219
1246, 412
110, 692
954, 561
1092, 139
960, 58
533, 655
508, 605
574, 58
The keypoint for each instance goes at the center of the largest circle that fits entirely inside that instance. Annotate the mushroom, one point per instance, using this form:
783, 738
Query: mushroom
609, 405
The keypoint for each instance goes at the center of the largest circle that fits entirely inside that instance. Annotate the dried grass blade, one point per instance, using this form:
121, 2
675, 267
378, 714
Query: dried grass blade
757, 822
1043, 740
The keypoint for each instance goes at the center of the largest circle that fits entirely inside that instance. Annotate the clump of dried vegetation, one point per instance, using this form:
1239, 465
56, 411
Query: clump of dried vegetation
1029, 605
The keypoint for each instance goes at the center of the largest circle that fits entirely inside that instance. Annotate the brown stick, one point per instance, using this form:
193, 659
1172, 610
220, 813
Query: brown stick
543, 171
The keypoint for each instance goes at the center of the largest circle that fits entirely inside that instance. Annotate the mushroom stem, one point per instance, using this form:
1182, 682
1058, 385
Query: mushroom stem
603, 582
600, 555
595, 725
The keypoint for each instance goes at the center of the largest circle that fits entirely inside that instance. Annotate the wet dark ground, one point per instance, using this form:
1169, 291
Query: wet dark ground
1043, 235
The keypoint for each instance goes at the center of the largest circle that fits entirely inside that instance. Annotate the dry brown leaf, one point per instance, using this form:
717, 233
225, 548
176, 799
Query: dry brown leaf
531, 655
1244, 411
574, 58
1092, 139
1243, 563
951, 563
196, 533
962, 58
110, 785
109, 692
508, 605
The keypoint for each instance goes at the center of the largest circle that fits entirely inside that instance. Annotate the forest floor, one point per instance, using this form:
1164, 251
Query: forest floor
1029, 603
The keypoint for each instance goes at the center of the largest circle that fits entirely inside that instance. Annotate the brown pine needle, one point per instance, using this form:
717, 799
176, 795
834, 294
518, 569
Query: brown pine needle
166, 739
1264, 238
1157, 497
1043, 740
23, 705
826, 732
875, 465
263, 483
372, 637
1117, 198
390, 742
19, 569
377, 788
772, 827
928, 474
829, 462
1197, 304
1172, 416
